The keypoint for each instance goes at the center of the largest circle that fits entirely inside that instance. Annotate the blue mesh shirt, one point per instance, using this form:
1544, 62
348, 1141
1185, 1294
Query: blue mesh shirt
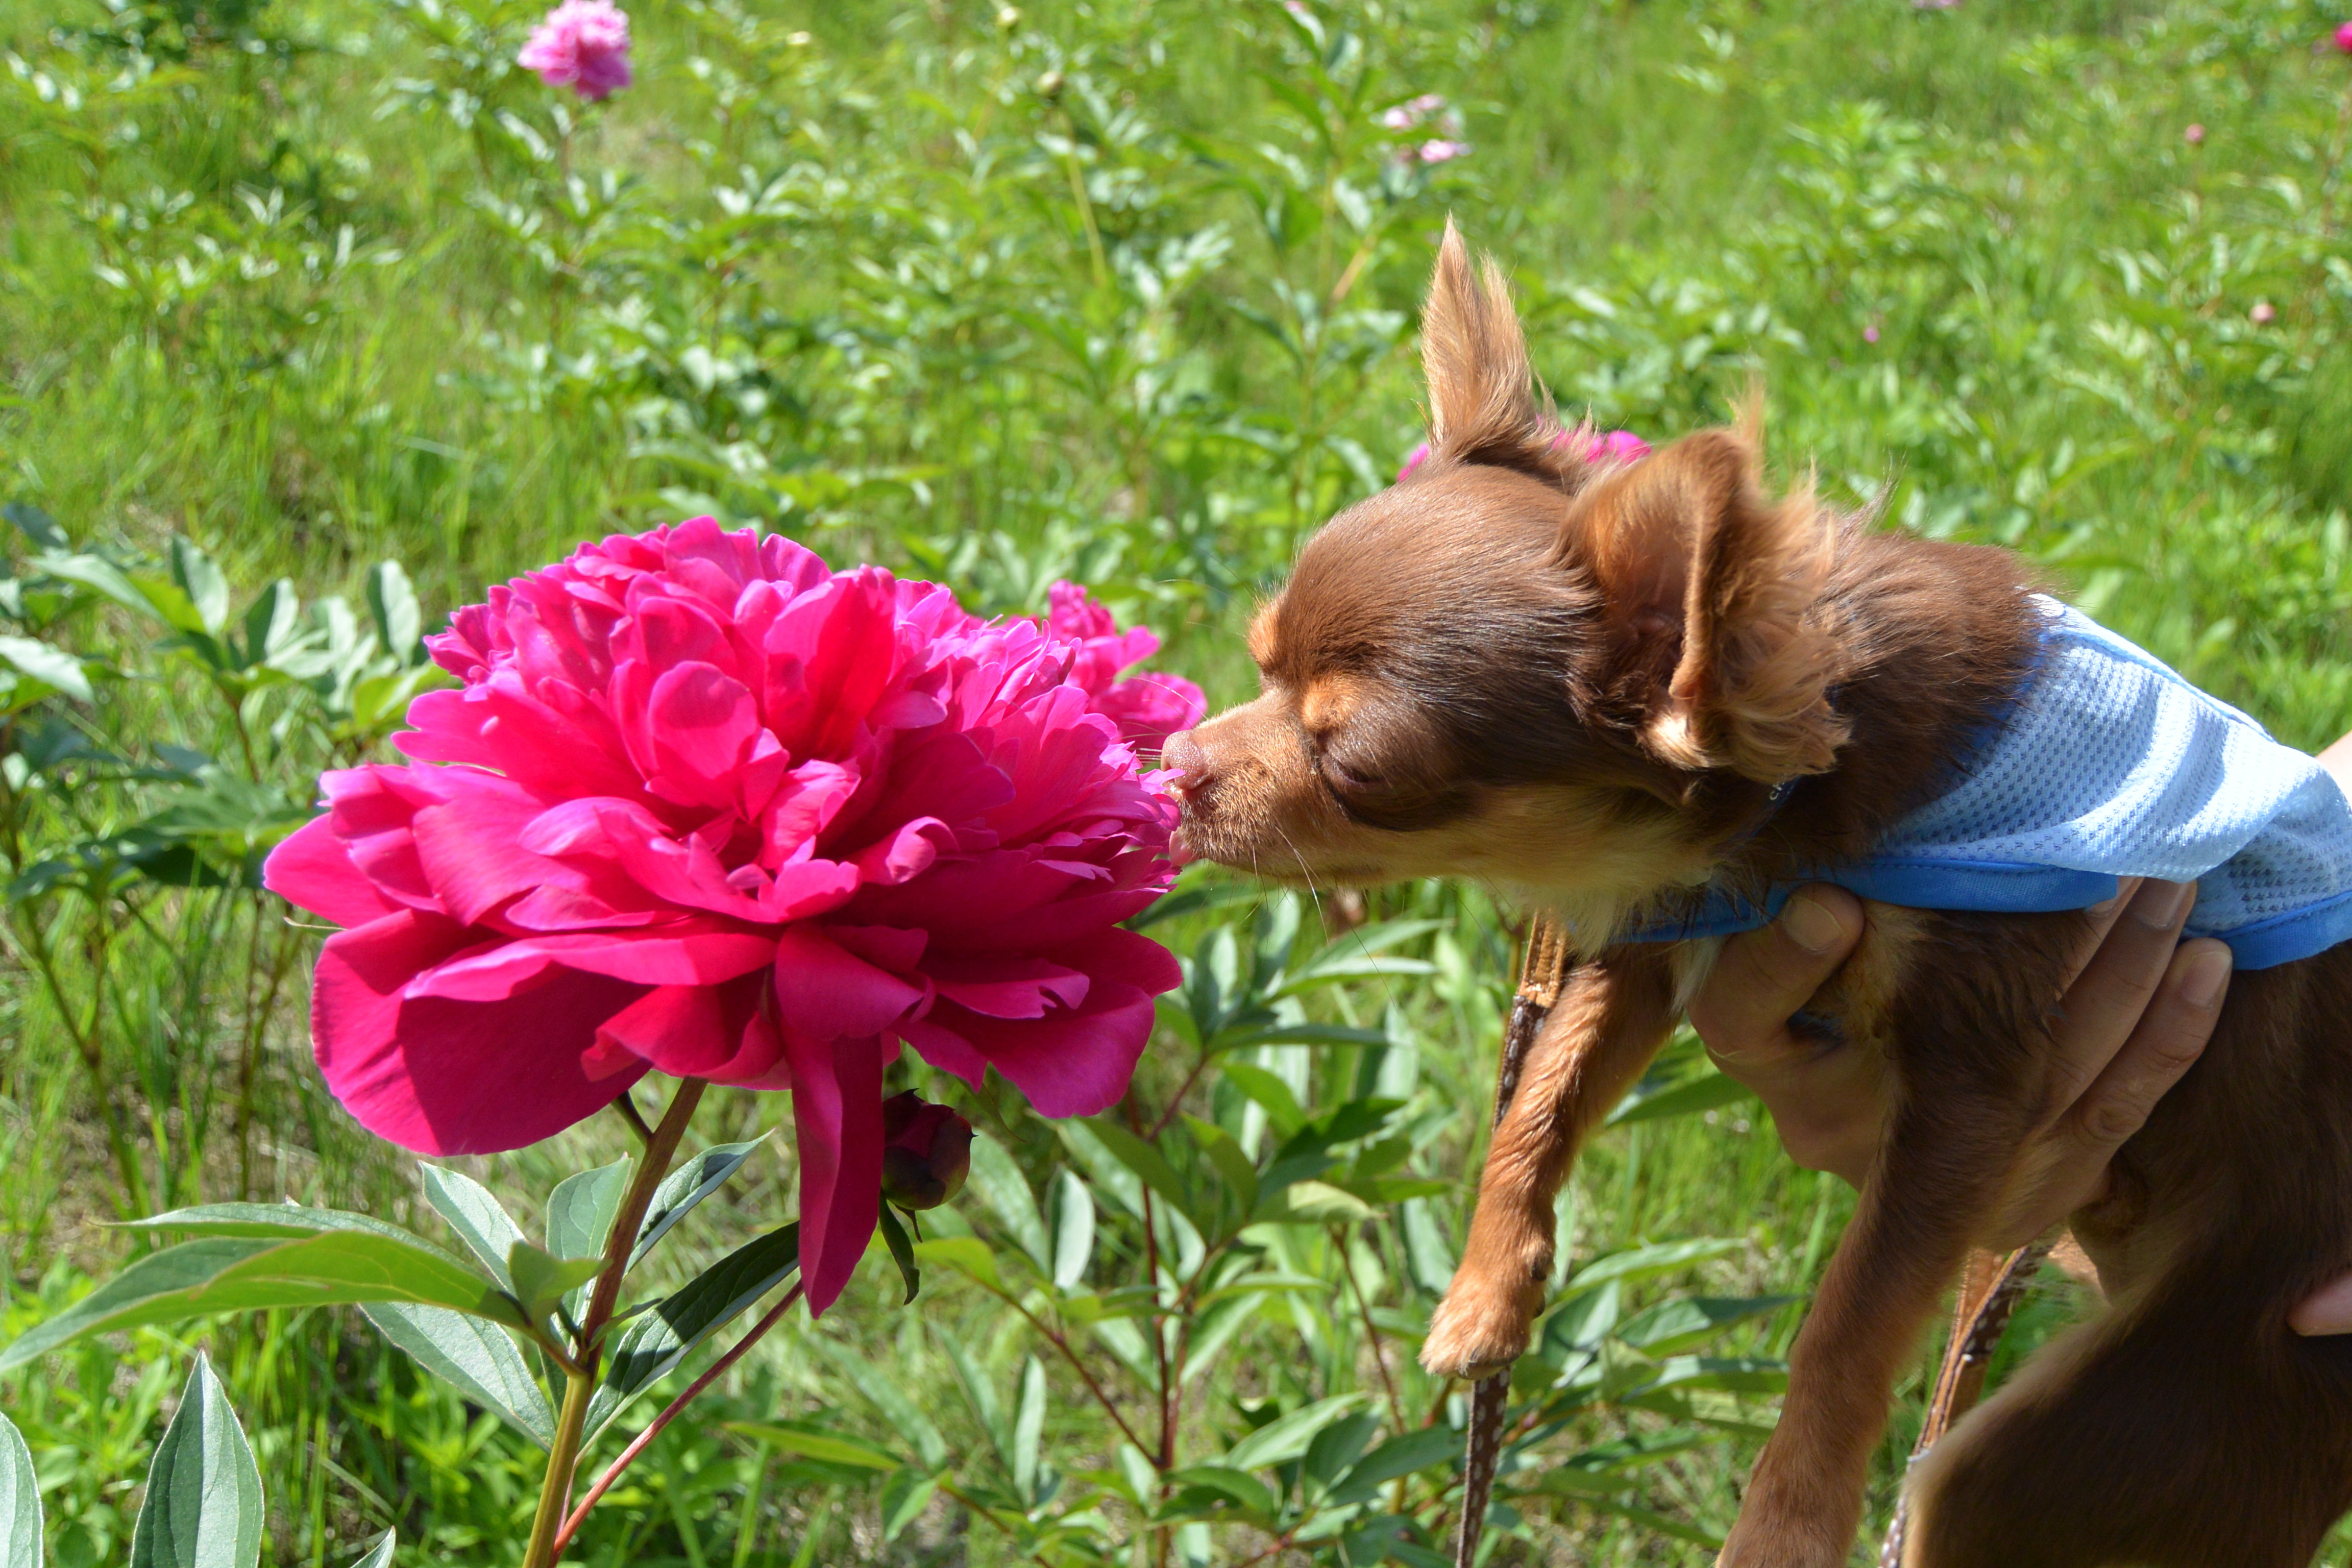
2111, 765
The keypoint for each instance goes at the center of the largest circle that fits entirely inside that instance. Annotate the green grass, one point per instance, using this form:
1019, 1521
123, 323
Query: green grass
998, 301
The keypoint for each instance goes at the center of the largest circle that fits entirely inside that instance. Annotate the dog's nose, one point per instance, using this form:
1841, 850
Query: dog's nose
1184, 755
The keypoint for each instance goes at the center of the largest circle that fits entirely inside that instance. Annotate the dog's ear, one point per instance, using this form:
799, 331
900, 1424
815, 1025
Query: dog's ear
1711, 594
1484, 405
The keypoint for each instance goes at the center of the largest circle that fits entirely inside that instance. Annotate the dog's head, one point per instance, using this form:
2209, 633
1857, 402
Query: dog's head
1521, 667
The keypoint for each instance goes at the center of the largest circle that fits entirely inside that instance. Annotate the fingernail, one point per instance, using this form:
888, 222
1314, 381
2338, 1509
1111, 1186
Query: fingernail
1811, 925
2204, 974
2159, 904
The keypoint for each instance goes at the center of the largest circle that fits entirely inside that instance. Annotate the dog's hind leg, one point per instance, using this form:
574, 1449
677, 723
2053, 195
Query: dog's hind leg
2191, 1429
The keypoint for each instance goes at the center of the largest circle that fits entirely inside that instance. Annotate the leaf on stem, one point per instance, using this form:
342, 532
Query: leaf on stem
580, 1214
380, 1554
657, 1340
687, 1186
1074, 1229
475, 1357
1286, 1438
542, 1280
1005, 1190
480, 1221
237, 1273
902, 1251
202, 1507
806, 1441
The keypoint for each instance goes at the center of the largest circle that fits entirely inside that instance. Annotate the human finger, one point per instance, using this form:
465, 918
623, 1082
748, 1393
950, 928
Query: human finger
1764, 977
2164, 1043
2111, 992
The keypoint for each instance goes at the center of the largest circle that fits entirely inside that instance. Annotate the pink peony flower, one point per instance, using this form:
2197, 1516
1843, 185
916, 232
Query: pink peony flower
2194, 135
1147, 709
715, 809
1615, 446
2343, 39
583, 45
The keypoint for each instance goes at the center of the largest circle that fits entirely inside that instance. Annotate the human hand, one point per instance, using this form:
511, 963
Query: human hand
2138, 1009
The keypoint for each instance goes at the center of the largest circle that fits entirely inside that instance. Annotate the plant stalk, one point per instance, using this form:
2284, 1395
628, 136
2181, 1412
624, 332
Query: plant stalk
547, 1535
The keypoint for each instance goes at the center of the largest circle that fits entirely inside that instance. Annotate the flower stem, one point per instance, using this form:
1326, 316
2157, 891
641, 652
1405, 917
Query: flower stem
564, 1455
669, 1413
562, 1459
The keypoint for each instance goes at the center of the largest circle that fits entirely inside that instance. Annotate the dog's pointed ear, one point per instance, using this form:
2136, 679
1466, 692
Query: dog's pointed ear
1712, 591
1484, 405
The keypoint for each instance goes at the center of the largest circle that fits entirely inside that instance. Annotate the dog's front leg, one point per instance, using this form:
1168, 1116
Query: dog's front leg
1611, 1017
1969, 1040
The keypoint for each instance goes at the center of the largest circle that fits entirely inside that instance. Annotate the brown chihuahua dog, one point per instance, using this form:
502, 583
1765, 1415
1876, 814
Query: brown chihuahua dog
1601, 686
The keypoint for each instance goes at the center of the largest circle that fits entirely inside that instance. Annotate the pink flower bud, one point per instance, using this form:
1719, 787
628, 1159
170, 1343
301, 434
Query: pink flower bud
925, 1152
2262, 314
2343, 39
2194, 135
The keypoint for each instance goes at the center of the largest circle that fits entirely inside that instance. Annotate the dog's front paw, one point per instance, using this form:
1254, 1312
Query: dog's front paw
1482, 1326
1777, 1529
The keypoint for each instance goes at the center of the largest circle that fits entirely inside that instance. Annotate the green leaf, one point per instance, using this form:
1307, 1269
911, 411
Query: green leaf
279, 1220
580, 1211
1729, 1375
1199, 1485
902, 1251
237, 1273
542, 1280
1225, 1154
202, 1507
1005, 1190
1108, 1175
904, 1497
480, 1221
1401, 1456
655, 1340
20, 1501
37, 526
1642, 1262
475, 1357
1149, 1166
49, 666
1685, 1097
399, 623
687, 1186
1028, 1429
380, 1554
980, 1393
194, 574
1677, 1325
1286, 1438
967, 1254
1315, 1203
101, 576
1192, 901
1281, 1106
1074, 1229
812, 1442
1581, 1320
271, 621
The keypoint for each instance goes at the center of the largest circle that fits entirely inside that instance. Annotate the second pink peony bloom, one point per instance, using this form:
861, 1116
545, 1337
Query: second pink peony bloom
703, 805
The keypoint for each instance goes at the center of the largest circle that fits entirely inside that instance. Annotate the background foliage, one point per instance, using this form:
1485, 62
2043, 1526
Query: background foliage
1119, 290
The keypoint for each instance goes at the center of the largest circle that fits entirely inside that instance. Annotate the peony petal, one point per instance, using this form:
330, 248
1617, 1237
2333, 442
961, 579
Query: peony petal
837, 1131
824, 993
668, 956
714, 1032
1007, 988
454, 1078
1069, 1063
312, 870
470, 846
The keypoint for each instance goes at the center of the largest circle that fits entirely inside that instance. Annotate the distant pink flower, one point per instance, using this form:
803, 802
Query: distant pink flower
2343, 39
1441, 150
2262, 314
583, 45
1615, 446
715, 809
1147, 708
1413, 110
2194, 135
1870, 333
1933, 4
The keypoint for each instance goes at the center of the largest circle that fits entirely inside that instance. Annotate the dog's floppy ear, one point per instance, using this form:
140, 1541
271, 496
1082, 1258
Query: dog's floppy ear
1484, 406
1710, 589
